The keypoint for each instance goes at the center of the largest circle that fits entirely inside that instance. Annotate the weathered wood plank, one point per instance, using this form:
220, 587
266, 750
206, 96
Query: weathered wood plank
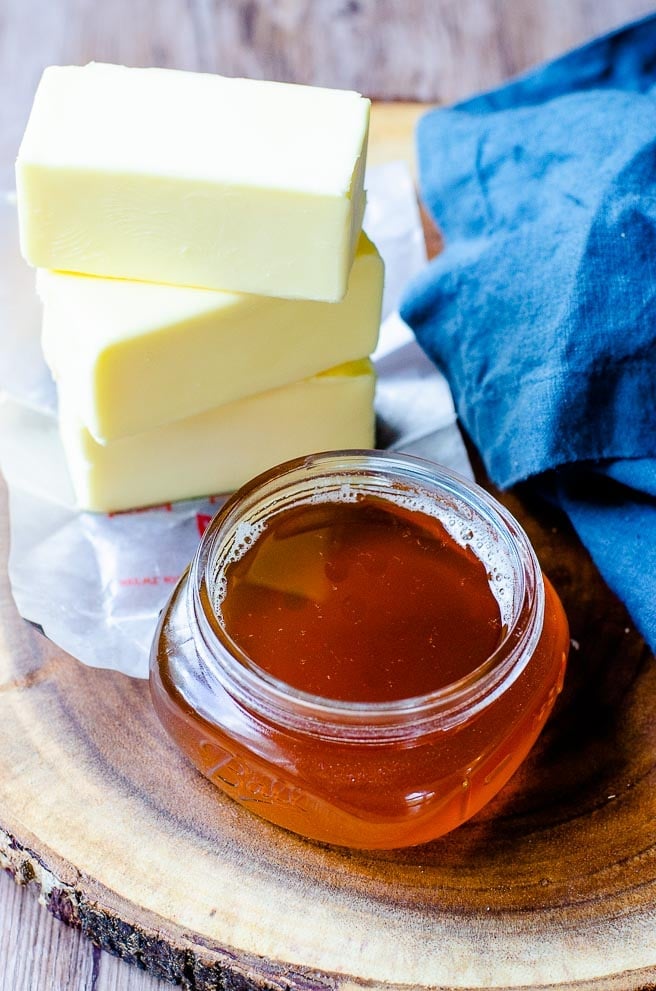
36, 951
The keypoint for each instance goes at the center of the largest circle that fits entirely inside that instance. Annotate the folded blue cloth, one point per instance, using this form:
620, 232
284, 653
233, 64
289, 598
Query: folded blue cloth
541, 310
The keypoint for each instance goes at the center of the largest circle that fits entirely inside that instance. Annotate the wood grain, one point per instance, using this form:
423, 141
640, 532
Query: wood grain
435, 50
37, 953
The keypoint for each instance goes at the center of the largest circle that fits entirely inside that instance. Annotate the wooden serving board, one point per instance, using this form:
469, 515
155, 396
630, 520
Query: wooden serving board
552, 884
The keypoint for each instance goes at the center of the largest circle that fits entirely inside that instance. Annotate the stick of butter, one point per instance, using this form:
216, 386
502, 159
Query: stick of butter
193, 179
219, 450
130, 356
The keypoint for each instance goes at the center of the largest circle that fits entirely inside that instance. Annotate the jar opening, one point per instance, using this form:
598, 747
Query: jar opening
472, 518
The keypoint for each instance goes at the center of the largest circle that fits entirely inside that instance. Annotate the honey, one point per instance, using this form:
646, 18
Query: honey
363, 650
362, 601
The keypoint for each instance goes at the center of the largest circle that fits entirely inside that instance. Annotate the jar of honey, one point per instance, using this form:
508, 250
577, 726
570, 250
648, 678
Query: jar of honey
363, 649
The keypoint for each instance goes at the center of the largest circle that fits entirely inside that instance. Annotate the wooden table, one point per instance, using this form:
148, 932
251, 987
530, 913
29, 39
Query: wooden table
412, 49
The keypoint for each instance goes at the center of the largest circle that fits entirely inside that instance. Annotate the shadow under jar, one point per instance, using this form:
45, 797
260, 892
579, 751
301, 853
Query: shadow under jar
363, 649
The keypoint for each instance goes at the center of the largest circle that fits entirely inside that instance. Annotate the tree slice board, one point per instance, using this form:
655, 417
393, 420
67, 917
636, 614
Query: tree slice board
553, 884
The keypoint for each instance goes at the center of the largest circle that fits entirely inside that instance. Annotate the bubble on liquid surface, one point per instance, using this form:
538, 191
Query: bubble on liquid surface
346, 493
244, 536
465, 529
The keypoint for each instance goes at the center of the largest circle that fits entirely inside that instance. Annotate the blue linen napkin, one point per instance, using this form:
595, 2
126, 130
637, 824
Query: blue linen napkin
541, 310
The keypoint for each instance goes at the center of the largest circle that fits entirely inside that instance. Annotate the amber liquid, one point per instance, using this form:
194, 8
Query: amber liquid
361, 602
365, 602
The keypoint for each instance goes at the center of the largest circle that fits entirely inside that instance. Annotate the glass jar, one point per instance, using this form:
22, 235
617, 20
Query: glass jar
367, 774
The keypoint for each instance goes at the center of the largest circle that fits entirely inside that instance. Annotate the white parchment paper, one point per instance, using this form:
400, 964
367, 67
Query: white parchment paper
95, 583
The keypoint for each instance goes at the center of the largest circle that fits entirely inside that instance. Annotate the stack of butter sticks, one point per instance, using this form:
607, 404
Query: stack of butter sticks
209, 298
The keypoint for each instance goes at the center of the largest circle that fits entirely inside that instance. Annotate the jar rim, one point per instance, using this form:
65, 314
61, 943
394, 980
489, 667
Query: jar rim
443, 707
